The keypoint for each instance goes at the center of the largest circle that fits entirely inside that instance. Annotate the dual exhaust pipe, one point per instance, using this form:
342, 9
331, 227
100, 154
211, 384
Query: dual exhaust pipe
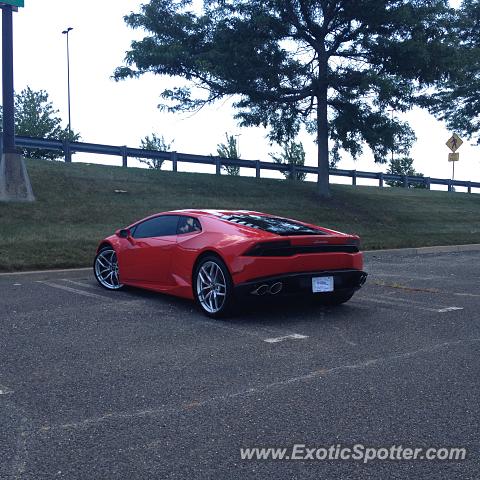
264, 288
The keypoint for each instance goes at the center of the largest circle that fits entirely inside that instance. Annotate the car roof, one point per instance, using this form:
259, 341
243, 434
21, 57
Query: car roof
217, 213
244, 224
214, 214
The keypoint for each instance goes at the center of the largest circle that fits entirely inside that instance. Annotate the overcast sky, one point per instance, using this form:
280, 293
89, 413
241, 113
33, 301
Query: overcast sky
104, 111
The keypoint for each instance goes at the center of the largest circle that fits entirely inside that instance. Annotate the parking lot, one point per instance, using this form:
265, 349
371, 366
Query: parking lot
131, 384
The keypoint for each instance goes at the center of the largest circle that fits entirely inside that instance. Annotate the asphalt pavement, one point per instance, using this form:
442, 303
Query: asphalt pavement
136, 385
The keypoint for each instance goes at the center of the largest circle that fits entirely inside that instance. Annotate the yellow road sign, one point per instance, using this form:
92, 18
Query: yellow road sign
453, 157
454, 143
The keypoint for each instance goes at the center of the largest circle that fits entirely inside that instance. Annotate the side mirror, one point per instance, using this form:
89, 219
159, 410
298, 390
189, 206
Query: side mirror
124, 233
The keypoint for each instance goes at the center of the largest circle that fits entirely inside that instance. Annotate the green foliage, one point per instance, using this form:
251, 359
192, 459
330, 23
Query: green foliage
458, 99
292, 154
229, 149
157, 143
403, 166
333, 65
35, 116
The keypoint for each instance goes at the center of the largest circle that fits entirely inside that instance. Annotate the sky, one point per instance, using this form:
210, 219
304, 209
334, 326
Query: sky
121, 113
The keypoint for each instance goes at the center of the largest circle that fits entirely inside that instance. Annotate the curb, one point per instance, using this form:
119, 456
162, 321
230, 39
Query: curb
473, 247
41, 272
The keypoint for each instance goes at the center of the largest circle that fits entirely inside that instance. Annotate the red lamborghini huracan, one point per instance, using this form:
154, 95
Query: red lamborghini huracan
217, 256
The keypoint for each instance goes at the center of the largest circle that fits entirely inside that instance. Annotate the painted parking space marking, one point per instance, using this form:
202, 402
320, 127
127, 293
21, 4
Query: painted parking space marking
449, 309
434, 307
392, 297
293, 336
394, 304
5, 390
257, 332
401, 302
80, 284
73, 290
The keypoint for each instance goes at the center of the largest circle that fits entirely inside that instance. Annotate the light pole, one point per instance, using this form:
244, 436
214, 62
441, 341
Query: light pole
14, 182
237, 142
66, 32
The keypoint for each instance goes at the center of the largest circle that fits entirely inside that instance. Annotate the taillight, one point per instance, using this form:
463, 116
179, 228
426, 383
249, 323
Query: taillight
268, 248
354, 241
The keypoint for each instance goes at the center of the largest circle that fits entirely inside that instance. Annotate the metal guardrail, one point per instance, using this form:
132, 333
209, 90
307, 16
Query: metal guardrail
68, 148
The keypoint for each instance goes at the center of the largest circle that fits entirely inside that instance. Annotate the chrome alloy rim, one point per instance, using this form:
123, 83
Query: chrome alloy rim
211, 287
106, 269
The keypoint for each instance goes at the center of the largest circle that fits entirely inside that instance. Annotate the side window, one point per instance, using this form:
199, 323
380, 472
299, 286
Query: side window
188, 225
157, 227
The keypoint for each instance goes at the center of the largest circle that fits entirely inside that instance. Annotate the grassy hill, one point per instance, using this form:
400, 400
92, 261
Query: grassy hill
77, 205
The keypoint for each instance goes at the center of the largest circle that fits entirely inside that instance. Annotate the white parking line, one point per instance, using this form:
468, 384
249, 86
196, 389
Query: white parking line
402, 302
393, 304
467, 294
73, 290
449, 309
257, 332
439, 309
5, 390
293, 336
80, 284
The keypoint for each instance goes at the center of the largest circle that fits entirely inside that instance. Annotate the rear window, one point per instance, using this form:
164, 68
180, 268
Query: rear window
276, 225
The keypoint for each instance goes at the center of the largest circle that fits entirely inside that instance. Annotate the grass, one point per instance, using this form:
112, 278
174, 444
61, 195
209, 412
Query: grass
77, 206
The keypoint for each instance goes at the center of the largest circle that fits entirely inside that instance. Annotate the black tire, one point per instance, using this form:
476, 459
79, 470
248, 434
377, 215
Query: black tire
333, 299
105, 255
228, 302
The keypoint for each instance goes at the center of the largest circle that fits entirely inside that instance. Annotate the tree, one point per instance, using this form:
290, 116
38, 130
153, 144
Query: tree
333, 65
229, 150
458, 99
403, 166
292, 154
156, 143
35, 116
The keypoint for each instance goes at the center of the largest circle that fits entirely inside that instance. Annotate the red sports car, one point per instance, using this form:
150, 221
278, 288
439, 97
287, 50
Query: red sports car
217, 256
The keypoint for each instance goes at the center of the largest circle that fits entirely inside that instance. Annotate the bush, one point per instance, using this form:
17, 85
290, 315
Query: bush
157, 143
292, 154
403, 166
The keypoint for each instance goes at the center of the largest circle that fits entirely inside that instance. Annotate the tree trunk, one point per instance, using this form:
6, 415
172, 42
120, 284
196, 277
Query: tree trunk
323, 183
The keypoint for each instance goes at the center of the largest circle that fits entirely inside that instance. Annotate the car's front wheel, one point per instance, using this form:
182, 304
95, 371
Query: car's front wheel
105, 268
213, 286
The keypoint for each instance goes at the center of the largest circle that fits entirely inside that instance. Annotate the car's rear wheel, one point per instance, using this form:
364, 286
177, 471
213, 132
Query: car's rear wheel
213, 287
105, 268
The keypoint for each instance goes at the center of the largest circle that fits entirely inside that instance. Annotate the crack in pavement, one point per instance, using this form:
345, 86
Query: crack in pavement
193, 404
